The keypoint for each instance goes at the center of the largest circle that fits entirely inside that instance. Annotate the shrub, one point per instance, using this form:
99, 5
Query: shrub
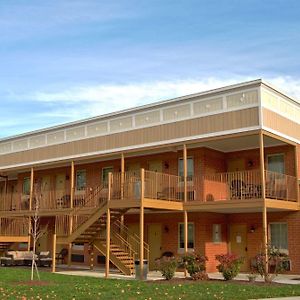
195, 264
167, 266
277, 262
230, 265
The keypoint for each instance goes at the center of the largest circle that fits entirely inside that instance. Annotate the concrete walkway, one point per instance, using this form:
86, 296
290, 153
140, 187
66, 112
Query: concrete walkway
155, 275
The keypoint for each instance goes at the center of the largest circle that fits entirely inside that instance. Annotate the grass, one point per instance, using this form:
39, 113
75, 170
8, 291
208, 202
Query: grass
13, 286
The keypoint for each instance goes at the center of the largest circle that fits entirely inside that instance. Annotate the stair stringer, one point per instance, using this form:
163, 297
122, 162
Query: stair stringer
116, 261
81, 229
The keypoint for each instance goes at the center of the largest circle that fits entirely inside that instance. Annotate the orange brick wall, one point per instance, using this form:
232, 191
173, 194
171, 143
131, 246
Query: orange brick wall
203, 223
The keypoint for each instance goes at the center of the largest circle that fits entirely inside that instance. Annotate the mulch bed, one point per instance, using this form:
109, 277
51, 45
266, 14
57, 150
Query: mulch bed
176, 281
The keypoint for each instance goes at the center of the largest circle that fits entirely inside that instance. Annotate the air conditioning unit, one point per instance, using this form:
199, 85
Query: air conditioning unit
287, 265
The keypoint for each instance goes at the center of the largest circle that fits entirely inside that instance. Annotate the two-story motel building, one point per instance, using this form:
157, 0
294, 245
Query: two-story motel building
212, 172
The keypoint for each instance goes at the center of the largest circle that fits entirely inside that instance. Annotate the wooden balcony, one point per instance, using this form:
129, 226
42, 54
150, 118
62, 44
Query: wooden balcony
165, 191
247, 185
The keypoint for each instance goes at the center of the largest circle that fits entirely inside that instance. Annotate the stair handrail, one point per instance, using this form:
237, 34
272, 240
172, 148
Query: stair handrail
133, 236
94, 192
124, 243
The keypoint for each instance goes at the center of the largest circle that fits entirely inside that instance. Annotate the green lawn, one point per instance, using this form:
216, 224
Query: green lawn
75, 287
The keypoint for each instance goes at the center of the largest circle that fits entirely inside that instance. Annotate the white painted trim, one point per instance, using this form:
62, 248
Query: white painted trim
292, 139
117, 150
132, 128
139, 109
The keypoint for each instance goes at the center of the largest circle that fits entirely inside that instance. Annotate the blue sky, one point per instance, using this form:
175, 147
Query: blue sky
64, 60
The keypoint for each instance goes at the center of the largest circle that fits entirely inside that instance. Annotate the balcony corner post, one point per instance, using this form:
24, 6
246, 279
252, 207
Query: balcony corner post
263, 193
297, 175
107, 256
31, 188
72, 184
185, 215
142, 224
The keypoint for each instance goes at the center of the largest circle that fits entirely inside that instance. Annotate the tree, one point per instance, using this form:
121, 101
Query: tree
36, 231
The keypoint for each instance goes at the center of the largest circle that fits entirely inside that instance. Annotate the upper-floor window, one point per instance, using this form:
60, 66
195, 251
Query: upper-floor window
190, 168
276, 163
105, 172
26, 186
279, 236
80, 180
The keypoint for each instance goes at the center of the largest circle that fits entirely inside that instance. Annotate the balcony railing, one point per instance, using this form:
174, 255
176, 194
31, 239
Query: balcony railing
14, 226
247, 185
211, 187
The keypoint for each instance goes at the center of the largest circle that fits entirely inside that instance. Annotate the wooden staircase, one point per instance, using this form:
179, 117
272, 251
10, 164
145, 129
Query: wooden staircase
88, 229
118, 256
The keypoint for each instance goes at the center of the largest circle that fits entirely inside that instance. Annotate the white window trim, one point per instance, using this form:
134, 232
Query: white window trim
23, 185
220, 233
181, 250
276, 154
76, 181
286, 251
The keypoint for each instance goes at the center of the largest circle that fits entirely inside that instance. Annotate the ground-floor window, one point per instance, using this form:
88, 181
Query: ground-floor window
191, 235
279, 236
217, 237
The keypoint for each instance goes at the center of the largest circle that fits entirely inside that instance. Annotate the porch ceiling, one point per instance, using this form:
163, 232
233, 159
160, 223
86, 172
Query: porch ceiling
241, 143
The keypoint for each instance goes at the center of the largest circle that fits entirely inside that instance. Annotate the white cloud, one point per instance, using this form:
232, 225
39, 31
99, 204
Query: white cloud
87, 101
100, 99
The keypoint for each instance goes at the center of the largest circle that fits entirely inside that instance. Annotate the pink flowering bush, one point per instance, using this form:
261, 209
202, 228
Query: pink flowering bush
195, 264
229, 265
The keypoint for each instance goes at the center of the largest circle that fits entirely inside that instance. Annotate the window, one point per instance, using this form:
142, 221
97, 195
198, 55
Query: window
80, 180
217, 234
279, 238
276, 163
104, 177
190, 168
26, 186
190, 235
78, 246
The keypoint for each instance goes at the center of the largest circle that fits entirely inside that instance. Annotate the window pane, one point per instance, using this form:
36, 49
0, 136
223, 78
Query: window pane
26, 186
190, 235
105, 172
276, 163
190, 168
80, 180
217, 233
279, 237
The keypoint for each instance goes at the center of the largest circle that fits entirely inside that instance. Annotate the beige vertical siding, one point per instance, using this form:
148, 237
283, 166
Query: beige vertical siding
182, 129
281, 124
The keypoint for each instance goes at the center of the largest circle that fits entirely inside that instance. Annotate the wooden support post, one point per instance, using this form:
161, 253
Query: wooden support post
54, 253
31, 188
29, 234
185, 200
142, 224
122, 188
296, 174
185, 172
72, 184
107, 257
122, 175
263, 193
71, 206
